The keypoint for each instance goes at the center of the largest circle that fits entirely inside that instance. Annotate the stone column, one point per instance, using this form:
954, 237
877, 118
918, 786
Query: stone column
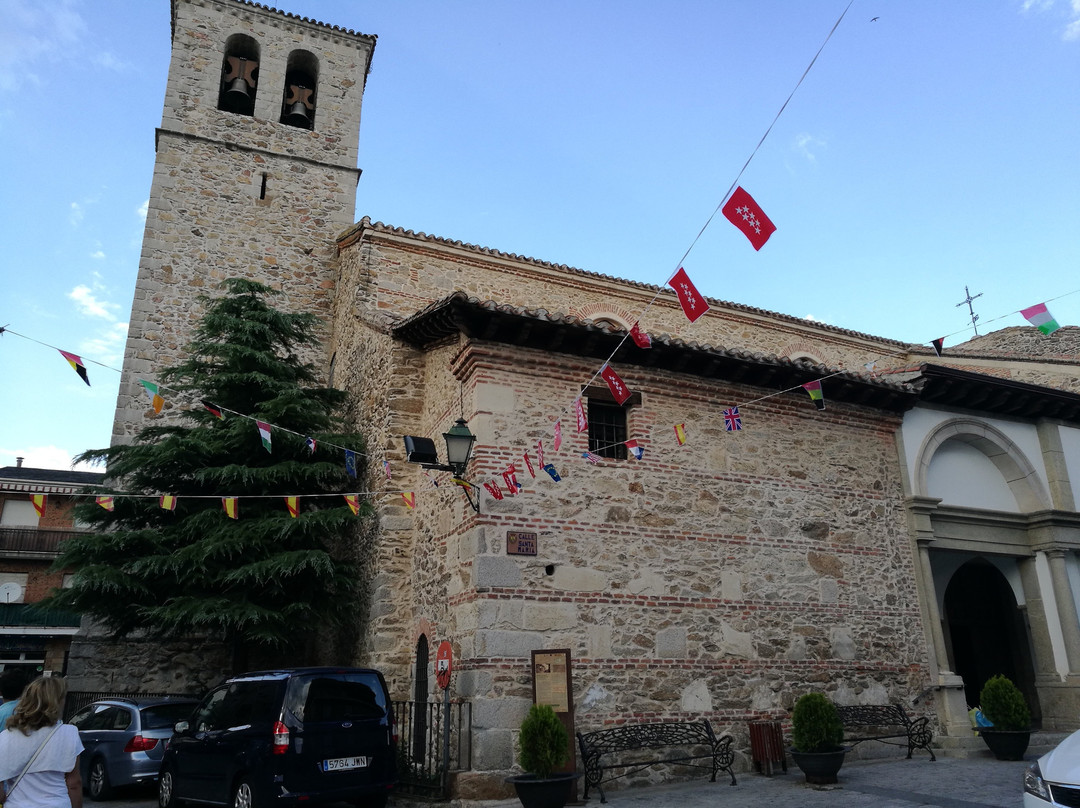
1066, 608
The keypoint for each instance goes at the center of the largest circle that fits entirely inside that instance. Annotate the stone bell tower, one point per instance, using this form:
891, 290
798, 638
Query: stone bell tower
255, 174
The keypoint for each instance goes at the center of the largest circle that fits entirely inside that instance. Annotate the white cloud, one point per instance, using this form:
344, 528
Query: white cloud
75, 215
89, 304
97, 255
810, 317
142, 209
807, 144
34, 37
108, 346
42, 457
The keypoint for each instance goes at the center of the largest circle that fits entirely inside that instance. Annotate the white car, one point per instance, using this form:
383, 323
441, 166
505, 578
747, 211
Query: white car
1054, 779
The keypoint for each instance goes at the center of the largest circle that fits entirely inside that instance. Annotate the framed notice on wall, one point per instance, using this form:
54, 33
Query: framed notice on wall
551, 680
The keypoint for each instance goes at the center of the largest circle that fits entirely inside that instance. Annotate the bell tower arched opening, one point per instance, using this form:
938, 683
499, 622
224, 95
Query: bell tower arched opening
239, 75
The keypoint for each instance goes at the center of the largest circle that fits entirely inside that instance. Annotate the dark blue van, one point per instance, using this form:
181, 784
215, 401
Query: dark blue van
281, 737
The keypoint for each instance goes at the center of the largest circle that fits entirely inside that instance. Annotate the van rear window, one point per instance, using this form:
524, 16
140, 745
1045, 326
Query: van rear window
337, 697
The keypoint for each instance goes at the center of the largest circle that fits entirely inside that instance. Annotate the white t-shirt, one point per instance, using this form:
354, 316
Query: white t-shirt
43, 786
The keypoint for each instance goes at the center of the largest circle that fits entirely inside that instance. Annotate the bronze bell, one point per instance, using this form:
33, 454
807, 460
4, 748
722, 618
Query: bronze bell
299, 106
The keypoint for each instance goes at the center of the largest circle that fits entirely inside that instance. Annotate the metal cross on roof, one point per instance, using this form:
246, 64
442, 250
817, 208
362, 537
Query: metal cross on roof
974, 316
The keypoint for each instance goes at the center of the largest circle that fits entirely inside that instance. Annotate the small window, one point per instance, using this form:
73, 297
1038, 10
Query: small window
607, 429
19, 513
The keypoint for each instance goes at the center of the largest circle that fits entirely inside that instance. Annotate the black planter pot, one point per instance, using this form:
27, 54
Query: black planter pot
547, 792
820, 768
1006, 744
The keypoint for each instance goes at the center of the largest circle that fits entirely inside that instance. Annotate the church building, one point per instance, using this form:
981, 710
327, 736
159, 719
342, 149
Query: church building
902, 543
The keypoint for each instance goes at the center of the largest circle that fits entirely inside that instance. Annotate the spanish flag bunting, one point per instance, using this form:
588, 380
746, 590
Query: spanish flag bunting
461, 482
105, 502
231, 506
213, 409
353, 501
293, 504
167, 502
39, 504
156, 401
76, 365
529, 465
818, 397
680, 433
410, 498
264, 433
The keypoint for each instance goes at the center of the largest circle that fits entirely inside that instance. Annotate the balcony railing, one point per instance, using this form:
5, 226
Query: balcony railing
32, 540
32, 615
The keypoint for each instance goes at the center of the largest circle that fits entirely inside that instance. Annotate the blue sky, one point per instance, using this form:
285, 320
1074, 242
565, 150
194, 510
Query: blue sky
928, 149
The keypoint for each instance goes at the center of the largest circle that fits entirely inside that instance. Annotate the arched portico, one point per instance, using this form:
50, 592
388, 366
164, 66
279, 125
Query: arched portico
993, 550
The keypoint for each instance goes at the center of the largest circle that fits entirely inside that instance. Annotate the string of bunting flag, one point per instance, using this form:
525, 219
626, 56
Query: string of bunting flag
737, 206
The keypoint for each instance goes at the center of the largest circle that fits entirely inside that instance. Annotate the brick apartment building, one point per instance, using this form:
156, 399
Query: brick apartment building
29, 637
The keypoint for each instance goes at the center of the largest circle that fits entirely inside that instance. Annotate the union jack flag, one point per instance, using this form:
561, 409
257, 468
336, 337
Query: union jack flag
732, 420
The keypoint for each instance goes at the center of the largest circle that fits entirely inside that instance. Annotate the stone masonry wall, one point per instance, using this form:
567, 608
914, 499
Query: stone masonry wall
720, 579
236, 195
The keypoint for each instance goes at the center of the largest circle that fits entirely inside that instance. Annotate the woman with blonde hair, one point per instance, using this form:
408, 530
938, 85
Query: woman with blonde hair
39, 755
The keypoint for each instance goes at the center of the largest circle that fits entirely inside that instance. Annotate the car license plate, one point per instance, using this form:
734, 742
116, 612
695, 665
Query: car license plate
340, 764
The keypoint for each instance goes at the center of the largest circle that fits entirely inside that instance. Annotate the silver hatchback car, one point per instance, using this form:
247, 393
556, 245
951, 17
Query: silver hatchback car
124, 740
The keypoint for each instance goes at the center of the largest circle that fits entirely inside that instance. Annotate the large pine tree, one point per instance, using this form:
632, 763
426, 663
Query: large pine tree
265, 580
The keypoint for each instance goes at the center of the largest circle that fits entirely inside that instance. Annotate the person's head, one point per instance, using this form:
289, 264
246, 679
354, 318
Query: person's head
12, 682
40, 705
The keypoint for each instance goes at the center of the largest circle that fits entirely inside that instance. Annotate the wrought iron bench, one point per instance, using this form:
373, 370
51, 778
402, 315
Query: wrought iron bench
881, 722
615, 748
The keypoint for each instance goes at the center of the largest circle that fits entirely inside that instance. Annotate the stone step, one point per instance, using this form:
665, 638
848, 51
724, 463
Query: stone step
972, 746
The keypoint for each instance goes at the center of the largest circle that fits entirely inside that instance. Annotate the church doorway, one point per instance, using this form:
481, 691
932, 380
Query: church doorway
420, 697
987, 632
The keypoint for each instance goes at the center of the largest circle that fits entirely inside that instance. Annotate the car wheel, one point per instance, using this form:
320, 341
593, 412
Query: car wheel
167, 789
243, 794
99, 787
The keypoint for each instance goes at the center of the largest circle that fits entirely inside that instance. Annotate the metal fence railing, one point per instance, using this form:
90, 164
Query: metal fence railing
434, 739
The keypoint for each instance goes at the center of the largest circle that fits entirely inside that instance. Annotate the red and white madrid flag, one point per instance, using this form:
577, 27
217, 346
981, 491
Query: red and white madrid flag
743, 212
693, 304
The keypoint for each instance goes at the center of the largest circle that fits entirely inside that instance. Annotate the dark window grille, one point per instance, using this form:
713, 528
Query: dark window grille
607, 429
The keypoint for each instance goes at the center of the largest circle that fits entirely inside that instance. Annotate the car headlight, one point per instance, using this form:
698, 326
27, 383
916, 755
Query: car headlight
1034, 783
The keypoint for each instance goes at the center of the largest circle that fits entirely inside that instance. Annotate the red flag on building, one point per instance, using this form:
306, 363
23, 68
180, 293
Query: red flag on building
39, 501
615, 384
529, 465
540, 452
494, 490
743, 212
693, 304
640, 338
558, 438
582, 421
